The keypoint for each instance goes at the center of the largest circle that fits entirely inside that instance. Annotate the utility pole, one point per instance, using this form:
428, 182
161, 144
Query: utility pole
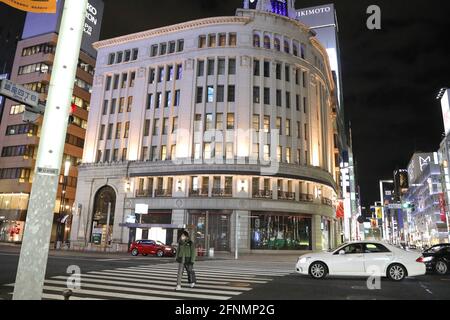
36, 241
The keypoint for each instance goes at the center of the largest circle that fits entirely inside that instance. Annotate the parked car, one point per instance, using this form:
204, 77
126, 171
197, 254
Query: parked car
437, 258
146, 247
364, 258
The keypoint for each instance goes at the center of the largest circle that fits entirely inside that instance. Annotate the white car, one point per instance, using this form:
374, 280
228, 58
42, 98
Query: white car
364, 258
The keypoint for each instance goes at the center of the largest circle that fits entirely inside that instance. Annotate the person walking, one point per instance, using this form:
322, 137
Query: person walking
185, 256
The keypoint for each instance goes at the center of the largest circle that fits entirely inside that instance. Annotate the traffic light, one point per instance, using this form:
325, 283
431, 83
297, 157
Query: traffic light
73, 107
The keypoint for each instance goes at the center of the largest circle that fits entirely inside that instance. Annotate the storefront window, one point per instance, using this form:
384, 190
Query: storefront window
280, 232
211, 229
326, 234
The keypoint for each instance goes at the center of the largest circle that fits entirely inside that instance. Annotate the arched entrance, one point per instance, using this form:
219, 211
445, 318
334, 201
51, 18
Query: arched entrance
103, 216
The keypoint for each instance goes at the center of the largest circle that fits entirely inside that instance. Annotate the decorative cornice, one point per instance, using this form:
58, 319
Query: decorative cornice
171, 29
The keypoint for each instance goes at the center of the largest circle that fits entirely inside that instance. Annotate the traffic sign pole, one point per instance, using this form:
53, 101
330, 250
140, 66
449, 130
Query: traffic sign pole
36, 240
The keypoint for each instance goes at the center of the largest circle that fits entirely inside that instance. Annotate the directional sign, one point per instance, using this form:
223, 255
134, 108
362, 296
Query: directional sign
19, 93
395, 206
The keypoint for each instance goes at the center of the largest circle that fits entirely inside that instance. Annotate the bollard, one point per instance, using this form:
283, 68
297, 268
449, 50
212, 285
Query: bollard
67, 294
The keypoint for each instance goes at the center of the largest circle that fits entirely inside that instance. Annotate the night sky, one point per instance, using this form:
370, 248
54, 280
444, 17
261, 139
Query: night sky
391, 76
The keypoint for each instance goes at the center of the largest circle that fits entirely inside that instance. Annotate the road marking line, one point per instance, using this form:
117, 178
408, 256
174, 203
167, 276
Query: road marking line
172, 283
108, 294
153, 286
61, 297
145, 291
221, 271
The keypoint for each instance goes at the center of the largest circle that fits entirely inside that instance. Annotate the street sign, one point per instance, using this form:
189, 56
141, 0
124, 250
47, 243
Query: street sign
395, 206
19, 93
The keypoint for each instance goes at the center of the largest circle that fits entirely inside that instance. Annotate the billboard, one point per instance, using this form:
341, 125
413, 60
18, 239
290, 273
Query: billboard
324, 22
445, 102
38, 24
417, 165
38, 6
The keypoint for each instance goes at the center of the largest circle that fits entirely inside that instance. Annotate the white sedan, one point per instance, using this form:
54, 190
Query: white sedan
367, 258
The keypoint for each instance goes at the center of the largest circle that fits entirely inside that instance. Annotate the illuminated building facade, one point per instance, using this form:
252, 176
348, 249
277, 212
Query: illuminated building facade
222, 125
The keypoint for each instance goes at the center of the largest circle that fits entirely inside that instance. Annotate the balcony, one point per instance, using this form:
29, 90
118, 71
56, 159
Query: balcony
162, 193
282, 195
222, 193
144, 193
199, 193
263, 194
306, 197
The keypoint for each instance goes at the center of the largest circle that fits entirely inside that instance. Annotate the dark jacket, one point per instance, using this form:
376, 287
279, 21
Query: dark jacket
187, 250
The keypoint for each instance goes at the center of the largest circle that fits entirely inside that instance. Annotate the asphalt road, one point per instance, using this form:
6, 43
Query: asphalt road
282, 287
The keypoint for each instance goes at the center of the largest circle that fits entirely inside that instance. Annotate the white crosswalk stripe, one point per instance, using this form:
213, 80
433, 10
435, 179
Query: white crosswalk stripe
216, 280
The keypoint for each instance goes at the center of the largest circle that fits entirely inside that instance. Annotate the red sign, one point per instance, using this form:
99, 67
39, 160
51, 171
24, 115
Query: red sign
442, 205
340, 210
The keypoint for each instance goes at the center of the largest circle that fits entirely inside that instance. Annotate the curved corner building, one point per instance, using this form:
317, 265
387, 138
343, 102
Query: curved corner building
221, 125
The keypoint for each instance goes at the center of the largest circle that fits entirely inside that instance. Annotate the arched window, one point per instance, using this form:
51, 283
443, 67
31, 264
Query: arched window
295, 49
104, 202
303, 51
277, 44
267, 42
256, 41
287, 47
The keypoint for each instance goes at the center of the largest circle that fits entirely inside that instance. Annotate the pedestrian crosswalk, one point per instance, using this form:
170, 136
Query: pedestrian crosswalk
216, 280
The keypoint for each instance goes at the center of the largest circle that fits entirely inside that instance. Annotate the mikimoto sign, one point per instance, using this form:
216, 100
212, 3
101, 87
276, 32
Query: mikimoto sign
38, 6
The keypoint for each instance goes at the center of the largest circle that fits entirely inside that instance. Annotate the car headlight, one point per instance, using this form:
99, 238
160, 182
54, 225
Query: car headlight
427, 259
168, 249
303, 259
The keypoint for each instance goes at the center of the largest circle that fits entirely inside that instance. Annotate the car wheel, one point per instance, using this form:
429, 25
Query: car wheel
159, 253
318, 270
134, 252
396, 272
441, 267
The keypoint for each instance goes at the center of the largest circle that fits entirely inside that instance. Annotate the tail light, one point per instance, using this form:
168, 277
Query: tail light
420, 260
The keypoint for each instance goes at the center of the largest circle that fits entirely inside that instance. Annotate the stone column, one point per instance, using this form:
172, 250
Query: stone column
316, 233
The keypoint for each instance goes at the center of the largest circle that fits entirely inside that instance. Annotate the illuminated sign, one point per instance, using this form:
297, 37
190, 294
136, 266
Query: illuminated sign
445, 102
38, 6
419, 162
141, 208
279, 7
18, 93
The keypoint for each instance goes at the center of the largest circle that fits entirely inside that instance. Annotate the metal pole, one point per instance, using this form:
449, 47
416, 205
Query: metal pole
36, 241
107, 225
236, 240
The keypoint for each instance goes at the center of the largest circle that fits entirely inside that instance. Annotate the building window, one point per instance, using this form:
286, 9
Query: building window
202, 42
222, 40
279, 159
207, 151
102, 132
229, 150
302, 51
266, 124
278, 125
287, 73
135, 54
144, 153
221, 66
209, 122
232, 66
154, 154
287, 47
163, 153
210, 67
158, 100
127, 129
165, 126
199, 98
230, 121
255, 122
177, 98
107, 156
219, 121
160, 74
17, 109
132, 79
267, 96
152, 75
169, 73
113, 106
267, 69
299, 129
277, 44
278, 71
180, 45
256, 41
155, 127
163, 48
149, 101
267, 44
172, 46
118, 129
266, 152
127, 56
197, 122
256, 94
174, 125
109, 132
220, 93
306, 131
279, 102
304, 76
256, 68
154, 50
147, 128
115, 156
231, 93
212, 40
121, 104
124, 154
168, 99
210, 94
297, 102
197, 151
173, 152
201, 68
305, 105
116, 82
111, 58
232, 40
288, 128
119, 57
179, 72
288, 99
108, 83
